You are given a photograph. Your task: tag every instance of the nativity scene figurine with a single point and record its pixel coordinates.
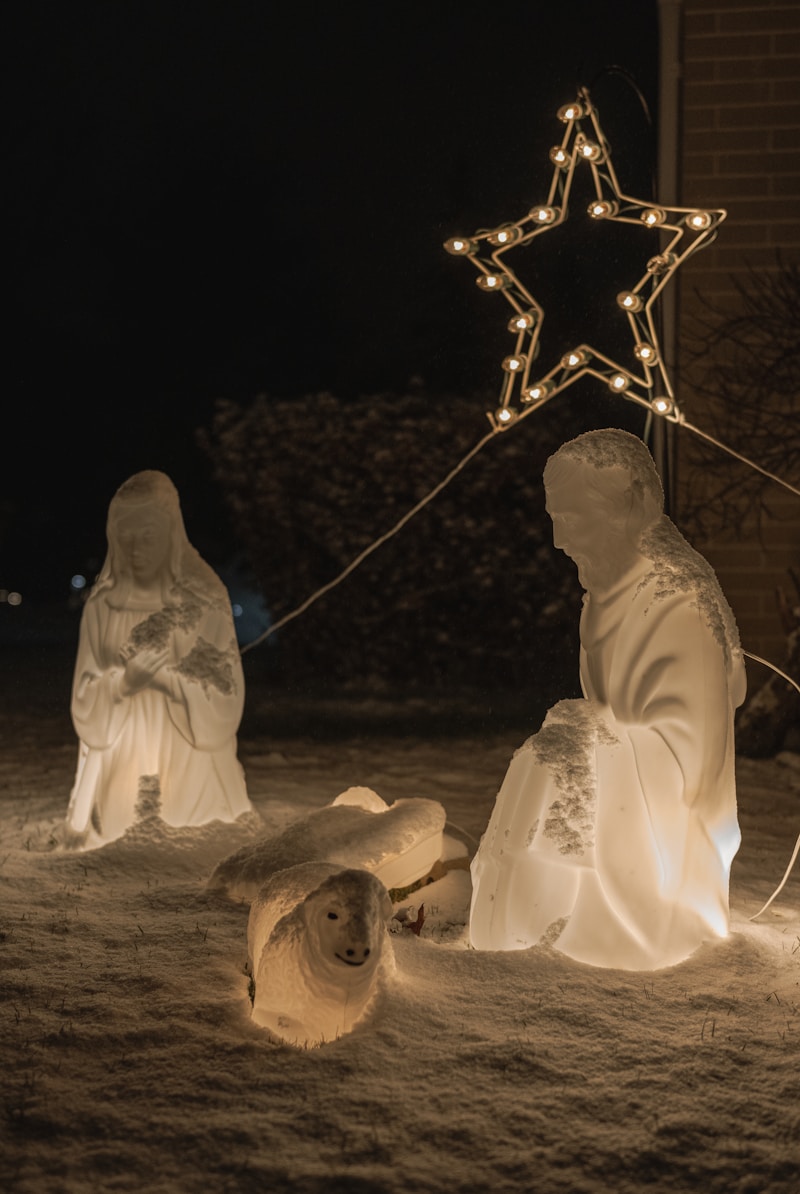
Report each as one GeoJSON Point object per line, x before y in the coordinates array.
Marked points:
{"type": "Point", "coordinates": [614, 830]}
{"type": "Point", "coordinates": [158, 689]}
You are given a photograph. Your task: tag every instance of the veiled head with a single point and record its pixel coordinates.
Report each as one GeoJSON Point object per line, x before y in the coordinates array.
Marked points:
{"type": "Point", "coordinates": [148, 546]}
{"type": "Point", "coordinates": [145, 531]}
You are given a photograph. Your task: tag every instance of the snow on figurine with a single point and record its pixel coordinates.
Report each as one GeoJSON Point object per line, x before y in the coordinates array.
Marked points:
{"type": "Point", "coordinates": [615, 827]}
{"type": "Point", "coordinates": [158, 689]}
{"type": "Point", "coordinates": [399, 843]}
{"type": "Point", "coordinates": [319, 951]}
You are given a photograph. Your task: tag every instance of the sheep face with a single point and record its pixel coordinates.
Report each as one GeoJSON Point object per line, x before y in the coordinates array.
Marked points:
{"type": "Point", "coordinates": [346, 925]}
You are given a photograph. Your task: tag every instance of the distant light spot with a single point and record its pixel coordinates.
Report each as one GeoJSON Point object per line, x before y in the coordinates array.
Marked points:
{"type": "Point", "coordinates": [78, 582]}
{"type": "Point", "coordinates": [14, 599]}
{"type": "Point", "coordinates": [237, 609]}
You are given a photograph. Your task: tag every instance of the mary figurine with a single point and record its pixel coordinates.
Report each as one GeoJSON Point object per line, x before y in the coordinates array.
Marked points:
{"type": "Point", "coordinates": [158, 689]}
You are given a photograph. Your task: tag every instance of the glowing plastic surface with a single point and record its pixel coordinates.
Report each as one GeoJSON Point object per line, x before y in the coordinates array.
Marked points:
{"type": "Point", "coordinates": [615, 827]}
{"type": "Point", "coordinates": [398, 843]}
{"type": "Point", "coordinates": [319, 951]}
{"type": "Point", "coordinates": [158, 689]}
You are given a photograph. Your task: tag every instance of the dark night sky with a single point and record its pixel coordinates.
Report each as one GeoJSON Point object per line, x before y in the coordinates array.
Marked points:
{"type": "Point", "coordinates": [220, 199]}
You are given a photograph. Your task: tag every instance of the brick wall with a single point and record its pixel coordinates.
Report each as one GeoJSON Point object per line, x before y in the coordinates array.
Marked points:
{"type": "Point", "coordinates": [740, 150]}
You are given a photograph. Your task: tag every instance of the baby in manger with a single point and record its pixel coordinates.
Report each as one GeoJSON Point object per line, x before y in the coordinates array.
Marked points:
{"type": "Point", "coordinates": [615, 827]}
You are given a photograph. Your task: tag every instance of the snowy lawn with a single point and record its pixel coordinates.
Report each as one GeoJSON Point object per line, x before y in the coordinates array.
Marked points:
{"type": "Point", "coordinates": [129, 1060]}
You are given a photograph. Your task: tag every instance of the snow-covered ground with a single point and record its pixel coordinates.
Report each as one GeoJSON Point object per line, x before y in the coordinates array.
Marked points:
{"type": "Point", "coordinates": [129, 1060]}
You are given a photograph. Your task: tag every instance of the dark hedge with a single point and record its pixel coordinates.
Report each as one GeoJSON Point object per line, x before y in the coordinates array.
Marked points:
{"type": "Point", "coordinates": [469, 592]}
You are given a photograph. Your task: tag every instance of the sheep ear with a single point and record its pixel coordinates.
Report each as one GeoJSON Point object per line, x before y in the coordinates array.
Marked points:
{"type": "Point", "coordinates": [387, 907]}
{"type": "Point", "coordinates": [305, 909]}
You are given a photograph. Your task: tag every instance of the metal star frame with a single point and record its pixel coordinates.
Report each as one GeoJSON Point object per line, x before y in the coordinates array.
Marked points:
{"type": "Point", "coordinates": [645, 382]}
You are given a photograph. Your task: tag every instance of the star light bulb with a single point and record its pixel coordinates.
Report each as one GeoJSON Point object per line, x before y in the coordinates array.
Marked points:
{"type": "Point", "coordinates": [602, 208]}
{"type": "Point", "coordinates": [589, 150]}
{"type": "Point", "coordinates": [660, 263]}
{"type": "Point", "coordinates": [492, 282]}
{"type": "Point", "coordinates": [699, 220]}
{"type": "Point", "coordinates": [629, 301]}
{"type": "Point", "coordinates": [544, 215]}
{"type": "Point", "coordinates": [522, 322]}
{"type": "Point", "coordinates": [460, 246]}
{"type": "Point", "coordinates": [536, 393]}
{"type": "Point", "coordinates": [571, 360]}
{"type": "Point", "coordinates": [506, 235]}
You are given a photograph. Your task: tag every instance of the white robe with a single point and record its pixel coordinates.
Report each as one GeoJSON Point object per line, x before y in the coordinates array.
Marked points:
{"type": "Point", "coordinates": [614, 830]}
{"type": "Point", "coordinates": [186, 741]}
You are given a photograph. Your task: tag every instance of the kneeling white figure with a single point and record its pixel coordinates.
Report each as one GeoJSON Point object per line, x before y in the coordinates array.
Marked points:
{"type": "Point", "coordinates": [158, 689]}
{"type": "Point", "coordinates": [614, 830]}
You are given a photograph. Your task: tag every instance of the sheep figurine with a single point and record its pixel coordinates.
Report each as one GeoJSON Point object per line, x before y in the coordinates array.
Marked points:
{"type": "Point", "coordinates": [319, 950]}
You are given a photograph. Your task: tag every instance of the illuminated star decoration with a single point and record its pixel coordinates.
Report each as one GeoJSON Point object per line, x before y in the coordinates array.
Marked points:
{"type": "Point", "coordinates": [644, 379]}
